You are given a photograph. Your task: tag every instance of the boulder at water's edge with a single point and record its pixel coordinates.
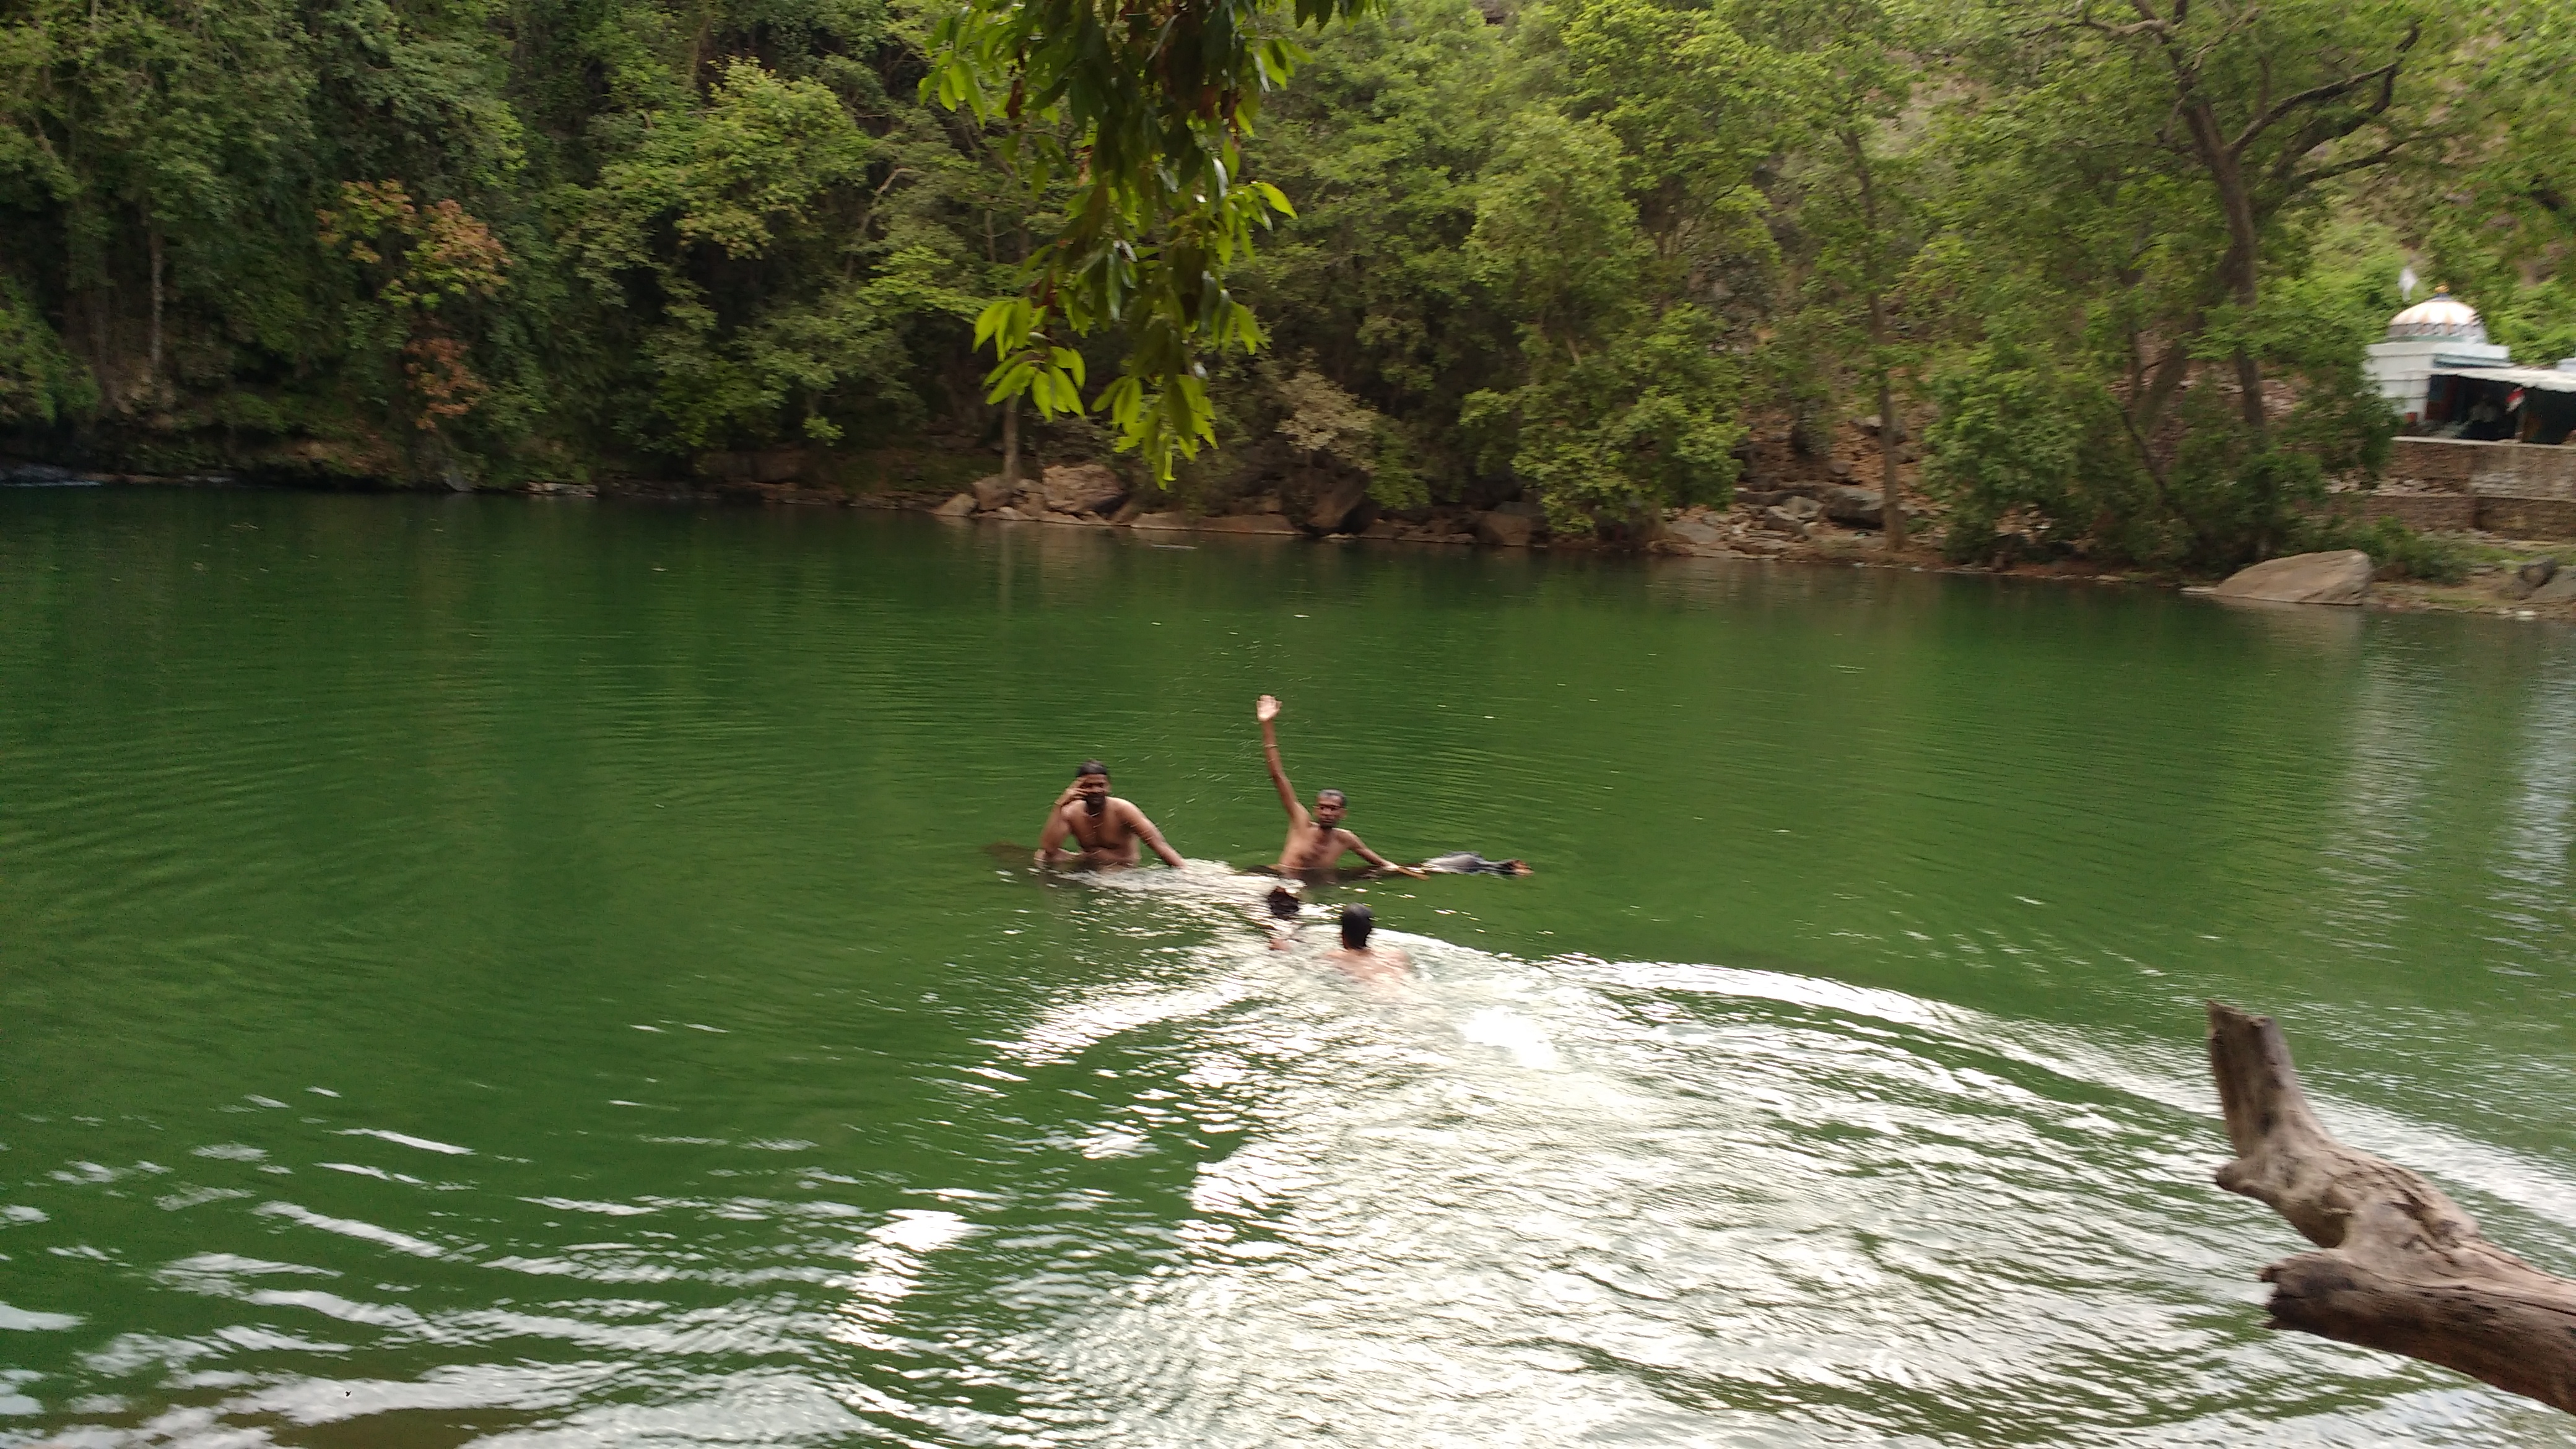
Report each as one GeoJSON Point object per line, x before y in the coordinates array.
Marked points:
{"type": "Point", "coordinates": [1082, 488]}
{"type": "Point", "coordinates": [2338, 577]}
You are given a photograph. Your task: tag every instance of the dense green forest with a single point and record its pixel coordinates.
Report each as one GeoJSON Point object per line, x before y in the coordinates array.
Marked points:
{"type": "Point", "coordinates": [2119, 259]}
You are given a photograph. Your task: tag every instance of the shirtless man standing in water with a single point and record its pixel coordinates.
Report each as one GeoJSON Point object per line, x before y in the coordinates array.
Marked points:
{"type": "Point", "coordinates": [1316, 842]}
{"type": "Point", "coordinates": [1107, 828]}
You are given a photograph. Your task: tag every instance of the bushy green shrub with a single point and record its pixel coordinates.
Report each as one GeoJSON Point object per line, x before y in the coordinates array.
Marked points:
{"type": "Point", "coordinates": [2397, 550]}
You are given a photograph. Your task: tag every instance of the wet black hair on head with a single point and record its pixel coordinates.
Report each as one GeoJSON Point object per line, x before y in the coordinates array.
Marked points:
{"type": "Point", "coordinates": [1357, 922]}
{"type": "Point", "coordinates": [1334, 795]}
{"type": "Point", "coordinates": [1091, 767]}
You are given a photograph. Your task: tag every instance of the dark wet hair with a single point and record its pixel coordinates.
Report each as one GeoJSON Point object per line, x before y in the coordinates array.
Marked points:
{"type": "Point", "coordinates": [1335, 796]}
{"type": "Point", "coordinates": [1091, 767]}
{"type": "Point", "coordinates": [1283, 903]}
{"type": "Point", "coordinates": [1357, 922]}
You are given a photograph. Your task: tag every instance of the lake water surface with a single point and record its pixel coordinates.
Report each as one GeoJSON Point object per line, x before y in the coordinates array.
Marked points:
{"type": "Point", "coordinates": [483, 971]}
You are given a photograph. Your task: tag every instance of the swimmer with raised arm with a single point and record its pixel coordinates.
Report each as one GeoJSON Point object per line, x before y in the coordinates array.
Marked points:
{"type": "Point", "coordinates": [1316, 841]}
{"type": "Point", "coordinates": [1108, 830]}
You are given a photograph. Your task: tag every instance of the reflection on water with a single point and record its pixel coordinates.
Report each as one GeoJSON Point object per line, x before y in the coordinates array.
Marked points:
{"type": "Point", "coordinates": [529, 977]}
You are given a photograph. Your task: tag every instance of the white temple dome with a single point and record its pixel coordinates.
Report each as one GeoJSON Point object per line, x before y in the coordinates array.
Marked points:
{"type": "Point", "coordinates": [2441, 317]}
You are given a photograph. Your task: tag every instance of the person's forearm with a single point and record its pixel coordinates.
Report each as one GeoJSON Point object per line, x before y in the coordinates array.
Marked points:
{"type": "Point", "coordinates": [1278, 769]}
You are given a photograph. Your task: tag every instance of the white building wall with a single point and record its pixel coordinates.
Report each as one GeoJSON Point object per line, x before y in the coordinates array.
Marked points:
{"type": "Point", "coordinates": [2399, 369]}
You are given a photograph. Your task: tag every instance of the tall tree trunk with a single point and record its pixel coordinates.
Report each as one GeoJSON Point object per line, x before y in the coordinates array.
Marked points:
{"type": "Point", "coordinates": [1011, 443]}
{"type": "Point", "coordinates": [1891, 516]}
{"type": "Point", "coordinates": [2244, 249]}
{"type": "Point", "coordinates": [100, 364]}
{"type": "Point", "coordinates": [152, 371]}
{"type": "Point", "coordinates": [2401, 1268]}
{"type": "Point", "coordinates": [1891, 504]}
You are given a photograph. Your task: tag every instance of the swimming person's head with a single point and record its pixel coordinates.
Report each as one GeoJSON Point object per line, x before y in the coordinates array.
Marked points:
{"type": "Point", "coordinates": [1283, 903]}
{"type": "Point", "coordinates": [1357, 922]}
{"type": "Point", "coordinates": [1329, 805]}
{"type": "Point", "coordinates": [1091, 782]}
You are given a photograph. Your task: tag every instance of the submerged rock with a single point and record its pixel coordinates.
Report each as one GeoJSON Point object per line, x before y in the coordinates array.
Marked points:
{"type": "Point", "coordinates": [2341, 576]}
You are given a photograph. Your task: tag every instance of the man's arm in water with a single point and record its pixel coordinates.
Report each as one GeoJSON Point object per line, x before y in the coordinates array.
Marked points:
{"type": "Point", "coordinates": [1376, 861]}
{"type": "Point", "coordinates": [1137, 822]}
{"type": "Point", "coordinates": [1266, 709]}
{"type": "Point", "coordinates": [1052, 836]}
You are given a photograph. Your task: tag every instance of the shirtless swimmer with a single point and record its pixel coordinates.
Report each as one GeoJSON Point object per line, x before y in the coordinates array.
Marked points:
{"type": "Point", "coordinates": [1107, 829]}
{"type": "Point", "coordinates": [1358, 957]}
{"type": "Point", "coordinates": [1317, 841]}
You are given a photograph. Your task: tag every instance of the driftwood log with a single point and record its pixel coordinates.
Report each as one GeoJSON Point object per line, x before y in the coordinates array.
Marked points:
{"type": "Point", "coordinates": [2402, 1267]}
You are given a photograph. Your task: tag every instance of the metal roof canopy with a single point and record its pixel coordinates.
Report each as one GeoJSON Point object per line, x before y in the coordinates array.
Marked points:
{"type": "Point", "coordinates": [2544, 378]}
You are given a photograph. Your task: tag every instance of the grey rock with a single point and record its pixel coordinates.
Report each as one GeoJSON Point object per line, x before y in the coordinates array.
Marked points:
{"type": "Point", "coordinates": [1504, 530]}
{"type": "Point", "coordinates": [1839, 467]}
{"type": "Point", "coordinates": [1696, 529]}
{"type": "Point", "coordinates": [2341, 576]}
{"type": "Point", "coordinates": [1082, 488]}
{"type": "Point", "coordinates": [1781, 520]}
{"type": "Point", "coordinates": [2559, 590]}
{"type": "Point", "coordinates": [1869, 425]}
{"type": "Point", "coordinates": [990, 492]}
{"type": "Point", "coordinates": [2537, 572]}
{"type": "Point", "coordinates": [1801, 509]}
{"type": "Point", "coordinates": [1335, 505]}
{"type": "Point", "coordinates": [1167, 522]}
{"type": "Point", "coordinates": [956, 507]}
{"type": "Point", "coordinates": [1856, 507]}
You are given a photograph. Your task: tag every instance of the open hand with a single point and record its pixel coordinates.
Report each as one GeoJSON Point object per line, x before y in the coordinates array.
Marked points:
{"type": "Point", "coordinates": [1265, 709]}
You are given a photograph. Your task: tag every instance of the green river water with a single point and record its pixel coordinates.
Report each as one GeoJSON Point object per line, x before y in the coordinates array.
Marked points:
{"type": "Point", "coordinates": [521, 973]}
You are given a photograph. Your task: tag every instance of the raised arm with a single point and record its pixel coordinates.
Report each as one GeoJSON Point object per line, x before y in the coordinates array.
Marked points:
{"type": "Point", "coordinates": [1266, 710]}
{"type": "Point", "coordinates": [1051, 836]}
{"type": "Point", "coordinates": [1137, 822]}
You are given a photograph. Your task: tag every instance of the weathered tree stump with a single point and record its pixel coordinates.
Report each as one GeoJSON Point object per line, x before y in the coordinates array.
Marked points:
{"type": "Point", "coordinates": [2402, 1268]}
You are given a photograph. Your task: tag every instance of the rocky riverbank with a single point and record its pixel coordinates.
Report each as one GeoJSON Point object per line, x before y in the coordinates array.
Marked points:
{"type": "Point", "coordinates": [1779, 521]}
{"type": "Point", "coordinates": [1823, 521]}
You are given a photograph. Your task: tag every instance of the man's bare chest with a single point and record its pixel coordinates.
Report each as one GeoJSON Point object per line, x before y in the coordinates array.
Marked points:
{"type": "Point", "coordinates": [1309, 846]}
{"type": "Point", "coordinates": [1096, 831]}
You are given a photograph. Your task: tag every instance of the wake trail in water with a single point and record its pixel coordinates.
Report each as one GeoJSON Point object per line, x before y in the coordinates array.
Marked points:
{"type": "Point", "coordinates": [1579, 1200]}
